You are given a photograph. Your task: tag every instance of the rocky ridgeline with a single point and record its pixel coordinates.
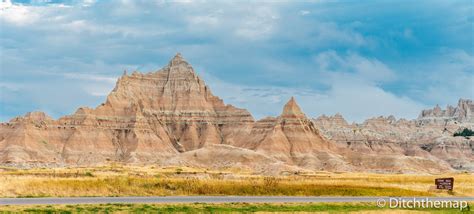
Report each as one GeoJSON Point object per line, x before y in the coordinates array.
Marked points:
{"type": "Point", "coordinates": [171, 117]}
{"type": "Point", "coordinates": [462, 113]}
{"type": "Point", "coordinates": [429, 136]}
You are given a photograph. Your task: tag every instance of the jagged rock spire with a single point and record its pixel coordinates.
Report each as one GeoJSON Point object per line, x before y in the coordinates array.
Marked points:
{"type": "Point", "coordinates": [179, 65]}
{"type": "Point", "coordinates": [177, 60]}
{"type": "Point", "coordinates": [292, 109]}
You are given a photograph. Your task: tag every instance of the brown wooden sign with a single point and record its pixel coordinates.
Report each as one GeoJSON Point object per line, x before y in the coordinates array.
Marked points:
{"type": "Point", "coordinates": [444, 183]}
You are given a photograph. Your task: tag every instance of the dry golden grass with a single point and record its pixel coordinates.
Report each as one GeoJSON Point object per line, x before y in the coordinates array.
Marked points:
{"type": "Point", "coordinates": [120, 180]}
{"type": "Point", "coordinates": [219, 208]}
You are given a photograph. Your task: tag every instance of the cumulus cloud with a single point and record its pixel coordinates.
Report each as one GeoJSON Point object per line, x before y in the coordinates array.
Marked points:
{"type": "Point", "coordinates": [253, 54]}
{"type": "Point", "coordinates": [353, 67]}
{"type": "Point", "coordinates": [353, 91]}
{"type": "Point", "coordinates": [448, 80]}
{"type": "Point", "coordinates": [356, 102]}
{"type": "Point", "coordinates": [18, 14]}
{"type": "Point", "coordinates": [259, 24]}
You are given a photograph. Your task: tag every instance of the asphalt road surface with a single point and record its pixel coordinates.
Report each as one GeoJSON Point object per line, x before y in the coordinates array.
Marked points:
{"type": "Point", "coordinates": [209, 199]}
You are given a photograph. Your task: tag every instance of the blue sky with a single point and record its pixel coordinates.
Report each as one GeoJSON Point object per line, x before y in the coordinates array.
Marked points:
{"type": "Point", "coordinates": [358, 58]}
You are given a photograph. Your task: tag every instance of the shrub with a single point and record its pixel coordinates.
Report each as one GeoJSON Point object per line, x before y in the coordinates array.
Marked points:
{"type": "Point", "coordinates": [464, 133]}
{"type": "Point", "coordinates": [270, 182]}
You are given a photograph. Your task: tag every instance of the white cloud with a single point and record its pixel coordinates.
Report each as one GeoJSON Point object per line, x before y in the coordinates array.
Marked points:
{"type": "Point", "coordinates": [204, 20]}
{"type": "Point", "coordinates": [353, 67]}
{"type": "Point", "coordinates": [304, 12]}
{"type": "Point", "coordinates": [448, 80]}
{"type": "Point", "coordinates": [22, 15]}
{"type": "Point", "coordinates": [267, 46]}
{"type": "Point", "coordinates": [259, 24]}
{"type": "Point", "coordinates": [18, 14]}
{"type": "Point", "coordinates": [5, 4]}
{"type": "Point", "coordinates": [330, 32]}
{"type": "Point", "coordinates": [88, 3]}
{"type": "Point", "coordinates": [93, 84]}
{"type": "Point", "coordinates": [358, 102]}
{"type": "Point", "coordinates": [355, 102]}
{"type": "Point", "coordinates": [91, 77]}
{"type": "Point", "coordinates": [349, 95]}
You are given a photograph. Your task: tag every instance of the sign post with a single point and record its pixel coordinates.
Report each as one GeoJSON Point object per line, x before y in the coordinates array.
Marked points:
{"type": "Point", "coordinates": [444, 183]}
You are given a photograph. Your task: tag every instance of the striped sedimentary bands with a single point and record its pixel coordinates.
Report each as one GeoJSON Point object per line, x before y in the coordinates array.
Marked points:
{"type": "Point", "coordinates": [146, 117]}
{"type": "Point", "coordinates": [170, 117]}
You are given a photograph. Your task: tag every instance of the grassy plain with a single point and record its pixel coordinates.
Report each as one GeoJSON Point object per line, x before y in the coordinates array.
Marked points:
{"type": "Point", "coordinates": [117, 180]}
{"type": "Point", "coordinates": [219, 208]}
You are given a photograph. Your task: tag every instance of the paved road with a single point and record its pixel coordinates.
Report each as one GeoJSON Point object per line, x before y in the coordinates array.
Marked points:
{"type": "Point", "coordinates": [207, 199]}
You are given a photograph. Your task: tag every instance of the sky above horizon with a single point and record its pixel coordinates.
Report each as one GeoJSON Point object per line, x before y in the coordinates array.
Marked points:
{"type": "Point", "coordinates": [358, 58]}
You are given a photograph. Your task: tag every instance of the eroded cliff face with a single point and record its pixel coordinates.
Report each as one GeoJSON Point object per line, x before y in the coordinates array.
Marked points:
{"type": "Point", "coordinates": [176, 98]}
{"type": "Point", "coordinates": [419, 142]}
{"type": "Point", "coordinates": [462, 113]}
{"type": "Point", "coordinates": [170, 117]}
{"type": "Point", "coordinates": [146, 118]}
{"type": "Point", "coordinates": [293, 139]}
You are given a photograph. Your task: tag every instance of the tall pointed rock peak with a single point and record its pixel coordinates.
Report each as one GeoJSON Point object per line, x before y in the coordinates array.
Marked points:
{"type": "Point", "coordinates": [292, 109]}
{"type": "Point", "coordinates": [179, 66]}
{"type": "Point", "coordinates": [178, 60]}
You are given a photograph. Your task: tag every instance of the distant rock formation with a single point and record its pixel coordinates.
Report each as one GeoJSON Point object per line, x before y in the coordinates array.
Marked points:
{"type": "Point", "coordinates": [171, 117]}
{"type": "Point", "coordinates": [428, 138]}
{"type": "Point", "coordinates": [462, 113]}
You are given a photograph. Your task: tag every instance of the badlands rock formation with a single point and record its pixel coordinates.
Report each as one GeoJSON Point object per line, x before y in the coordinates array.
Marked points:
{"type": "Point", "coordinates": [146, 118]}
{"type": "Point", "coordinates": [293, 139]}
{"type": "Point", "coordinates": [170, 117]}
{"type": "Point", "coordinates": [462, 113]}
{"type": "Point", "coordinates": [425, 137]}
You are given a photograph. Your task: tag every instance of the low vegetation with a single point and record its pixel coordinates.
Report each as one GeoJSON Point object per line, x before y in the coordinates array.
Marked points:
{"type": "Point", "coordinates": [215, 208]}
{"type": "Point", "coordinates": [464, 133]}
{"type": "Point", "coordinates": [148, 186]}
{"type": "Point", "coordinates": [150, 181]}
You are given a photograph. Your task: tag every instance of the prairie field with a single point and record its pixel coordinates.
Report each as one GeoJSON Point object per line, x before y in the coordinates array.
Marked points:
{"type": "Point", "coordinates": [221, 208]}
{"type": "Point", "coordinates": [119, 180]}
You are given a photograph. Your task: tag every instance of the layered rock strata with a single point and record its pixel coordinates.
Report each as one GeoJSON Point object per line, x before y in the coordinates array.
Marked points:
{"type": "Point", "coordinates": [386, 136]}
{"type": "Point", "coordinates": [147, 117]}
{"type": "Point", "coordinates": [462, 113]}
{"type": "Point", "coordinates": [171, 117]}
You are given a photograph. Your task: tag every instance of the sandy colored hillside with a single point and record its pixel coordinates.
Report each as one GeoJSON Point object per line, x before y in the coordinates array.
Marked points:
{"type": "Point", "coordinates": [171, 117]}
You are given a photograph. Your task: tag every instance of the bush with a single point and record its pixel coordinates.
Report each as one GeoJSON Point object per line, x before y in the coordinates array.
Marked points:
{"type": "Point", "coordinates": [270, 182]}
{"type": "Point", "coordinates": [464, 133]}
